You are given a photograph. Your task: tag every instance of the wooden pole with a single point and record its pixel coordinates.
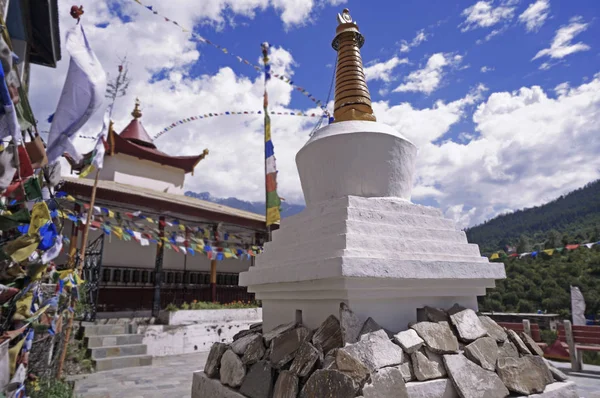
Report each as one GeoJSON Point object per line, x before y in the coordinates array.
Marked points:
{"type": "Point", "coordinates": [213, 280]}
{"type": "Point", "coordinates": [158, 266]}
{"type": "Point", "coordinates": [84, 239]}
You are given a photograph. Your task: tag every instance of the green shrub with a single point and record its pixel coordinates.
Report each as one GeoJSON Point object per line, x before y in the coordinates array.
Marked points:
{"type": "Point", "coordinates": [548, 336]}
{"type": "Point", "coordinates": [50, 388]}
{"type": "Point", "coordinates": [171, 308]}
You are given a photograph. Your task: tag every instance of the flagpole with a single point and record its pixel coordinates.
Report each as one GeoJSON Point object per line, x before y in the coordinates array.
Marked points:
{"type": "Point", "coordinates": [265, 53]}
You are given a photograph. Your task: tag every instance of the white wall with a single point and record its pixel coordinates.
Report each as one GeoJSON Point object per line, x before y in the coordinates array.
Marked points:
{"type": "Point", "coordinates": [211, 326]}
{"type": "Point", "coordinates": [130, 170]}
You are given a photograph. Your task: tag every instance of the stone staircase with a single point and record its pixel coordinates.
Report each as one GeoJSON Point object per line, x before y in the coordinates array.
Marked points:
{"type": "Point", "coordinates": [115, 346]}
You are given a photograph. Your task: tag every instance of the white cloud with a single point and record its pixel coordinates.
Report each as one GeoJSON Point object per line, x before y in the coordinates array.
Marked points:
{"type": "Point", "coordinates": [429, 78]}
{"type": "Point", "coordinates": [535, 15]}
{"type": "Point", "coordinates": [483, 14]}
{"type": "Point", "coordinates": [516, 150]}
{"type": "Point", "coordinates": [562, 45]}
{"type": "Point", "coordinates": [486, 69]}
{"type": "Point", "coordinates": [420, 37]}
{"type": "Point", "coordinates": [382, 70]}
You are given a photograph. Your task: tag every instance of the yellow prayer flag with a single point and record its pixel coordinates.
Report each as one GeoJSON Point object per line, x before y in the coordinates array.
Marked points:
{"type": "Point", "coordinates": [495, 256]}
{"type": "Point", "coordinates": [40, 216]}
{"type": "Point", "coordinates": [150, 220]}
{"type": "Point", "coordinates": [13, 354]}
{"type": "Point", "coordinates": [273, 215]}
{"type": "Point", "coordinates": [549, 252]}
{"type": "Point", "coordinates": [182, 227]}
{"type": "Point", "coordinates": [111, 214]}
{"type": "Point", "coordinates": [70, 198]}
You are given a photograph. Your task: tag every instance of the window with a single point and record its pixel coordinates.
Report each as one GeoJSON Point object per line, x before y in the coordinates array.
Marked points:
{"type": "Point", "coordinates": [106, 275]}
{"type": "Point", "coordinates": [116, 275]}
{"type": "Point", "coordinates": [145, 276]}
{"type": "Point", "coordinates": [127, 276]}
{"type": "Point", "coordinates": [136, 276]}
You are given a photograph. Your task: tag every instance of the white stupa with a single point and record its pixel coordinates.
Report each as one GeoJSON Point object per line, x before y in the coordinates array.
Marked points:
{"type": "Point", "coordinates": [360, 240]}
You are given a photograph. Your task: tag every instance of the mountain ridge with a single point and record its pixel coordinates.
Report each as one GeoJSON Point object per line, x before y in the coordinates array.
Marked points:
{"type": "Point", "coordinates": [287, 209]}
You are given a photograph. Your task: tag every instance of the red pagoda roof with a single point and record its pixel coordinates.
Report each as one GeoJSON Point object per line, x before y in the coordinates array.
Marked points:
{"type": "Point", "coordinates": [134, 140]}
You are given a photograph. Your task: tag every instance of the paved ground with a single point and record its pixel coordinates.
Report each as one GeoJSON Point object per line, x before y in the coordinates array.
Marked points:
{"type": "Point", "coordinates": [167, 377]}
{"type": "Point", "coordinates": [588, 381]}
{"type": "Point", "coordinates": [172, 377]}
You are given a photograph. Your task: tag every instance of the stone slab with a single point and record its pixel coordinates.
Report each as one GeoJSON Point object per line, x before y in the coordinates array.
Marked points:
{"type": "Point", "coordinates": [440, 388]}
{"type": "Point", "coordinates": [203, 387]}
{"type": "Point", "coordinates": [557, 390]}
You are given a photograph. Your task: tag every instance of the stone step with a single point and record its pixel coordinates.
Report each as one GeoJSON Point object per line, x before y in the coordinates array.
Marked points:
{"type": "Point", "coordinates": [122, 362]}
{"type": "Point", "coordinates": [118, 351]}
{"type": "Point", "coordinates": [103, 330]}
{"type": "Point", "coordinates": [113, 340]}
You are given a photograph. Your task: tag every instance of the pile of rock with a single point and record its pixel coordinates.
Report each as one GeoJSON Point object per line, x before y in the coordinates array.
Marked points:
{"type": "Point", "coordinates": [450, 354]}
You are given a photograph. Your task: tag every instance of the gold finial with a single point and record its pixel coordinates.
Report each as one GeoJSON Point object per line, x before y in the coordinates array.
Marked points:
{"type": "Point", "coordinates": [137, 113]}
{"type": "Point", "coordinates": [352, 97]}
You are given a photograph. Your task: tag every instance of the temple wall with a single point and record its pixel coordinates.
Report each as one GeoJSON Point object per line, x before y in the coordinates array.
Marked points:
{"type": "Point", "coordinates": [130, 170]}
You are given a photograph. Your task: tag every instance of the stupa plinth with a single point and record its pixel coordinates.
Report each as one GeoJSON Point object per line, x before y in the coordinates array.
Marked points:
{"type": "Point", "coordinates": [360, 240]}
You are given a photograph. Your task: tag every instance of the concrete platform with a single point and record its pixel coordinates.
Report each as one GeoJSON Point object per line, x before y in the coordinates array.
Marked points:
{"type": "Point", "coordinates": [203, 387]}
{"type": "Point", "coordinates": [118, 351]}
{"type": "Point", "coordinates": [113, 340]}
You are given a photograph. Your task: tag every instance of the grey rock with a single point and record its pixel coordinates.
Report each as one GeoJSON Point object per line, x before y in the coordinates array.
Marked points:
{"type": "Point", "coordinates": [508, 350]}
{"type": "Point", "coordinates": [351, 367]}
{"type": "Point", "coordinates": [437, 336]}
{"type": "Point", "coordinates": [329, 335]}
{"type": "Point", "coordinates": [557, 374]}
{"type": "Point", "coordinates": [432, 314]}
{"type": "Point", "coordinates": [484, 352]}
{"type": "Point", "coordinates": [468, 325]}
{"type": "Point", "coordinates": [438, 388]}
{"type": "Point", "coordinates": [472, 381]}
{"type": "Point", "coordinates": [350, 325]}
{"type": "Point", "coordinates": [531, 344]}
{"type": "Point", "coordinates": [284, 346]}
{"type": "Point", "coordinates": [240, 345]}
{"type": "Point", "coordinates": [305, 360]}
{"type": "Point", "coordinates": [494, 330]}
{"type": "Point", "coordinates": [375, 351]}
{"type": "Point", "coordinates": [526, 375]}
{"type": "Point", "coordinates": [386, 382]}
{"type": "Point", "coordinates": [516, 340]}
{"type": "Point", "coordinates": [255, 351]}
{"type": "Point", "coordinates": [409, 340]}
{"type": "Point", "coordinates": [278, 331]}
{"type": "Point", "coordinates": [427, 365]}
{"type": "Point", "coordinates": [286, 385]}
{"type": "Point", "coordinates": [329, 360]}
{"type": "Point", "coordinates": [328, 383]}
{"type": "Point", "coordinates": [406, 369]}
{"type": "Point", "coordinates": [456, 308]}
{"type": "Point", "coordinates": [258, 383]}
{"type": "Point", "coordinates": [232, 369]}
{"type": "Point", "coordinates": [371, 326]}
{"type": "Point", "coordinates": [243, 333]}
{"type": "Point", "coordinates": [213, 362]}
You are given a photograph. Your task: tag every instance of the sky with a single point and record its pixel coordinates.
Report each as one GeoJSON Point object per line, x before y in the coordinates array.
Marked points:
{"type": "Point", "coordinates": [501, 97]}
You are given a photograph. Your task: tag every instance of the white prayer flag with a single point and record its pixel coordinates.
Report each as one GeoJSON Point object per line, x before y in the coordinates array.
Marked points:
{"type": "Point", "coordinates": [81, 96]}
{"type": "Point", "coordinates": [577, 306]}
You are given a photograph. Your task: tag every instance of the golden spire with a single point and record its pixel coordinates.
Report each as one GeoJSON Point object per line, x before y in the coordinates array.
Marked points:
{"type": "Point", "coordinates": [352, 98]}
{"type": "Point", "coordinates": [137, 113]}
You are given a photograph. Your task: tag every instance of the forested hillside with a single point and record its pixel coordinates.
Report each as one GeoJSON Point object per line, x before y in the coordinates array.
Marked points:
{"type": "Point", "coordinates": [575, 216]}
{"type": "Point", "coordinates": [543, 283]}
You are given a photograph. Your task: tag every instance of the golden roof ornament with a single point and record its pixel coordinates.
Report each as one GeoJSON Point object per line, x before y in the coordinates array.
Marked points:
{"type": "Point", "coordinates": [137, 113]}
{"type": "Point", "coordinates": [352, 97]}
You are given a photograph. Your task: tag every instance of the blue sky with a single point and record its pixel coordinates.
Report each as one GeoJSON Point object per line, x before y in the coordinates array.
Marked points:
{"type": "Point", "coordinates": [497, 129]}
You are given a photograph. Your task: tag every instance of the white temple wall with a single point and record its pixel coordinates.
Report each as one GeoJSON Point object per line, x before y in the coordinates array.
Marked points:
{"type": "Point", "coordinates": [130, 170]}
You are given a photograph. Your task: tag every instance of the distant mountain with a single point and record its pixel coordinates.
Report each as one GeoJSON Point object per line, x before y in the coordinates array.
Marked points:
{"type": "Point", "coordinates": [575, 216]}
{"type": "Point", "coordinates": [287, 209]}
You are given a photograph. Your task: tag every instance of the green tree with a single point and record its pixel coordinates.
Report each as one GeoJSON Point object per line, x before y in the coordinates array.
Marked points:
{"type": "Point", "coordinates": [524, 244]}
{"type": "Point", "coordinates": [553, 239]}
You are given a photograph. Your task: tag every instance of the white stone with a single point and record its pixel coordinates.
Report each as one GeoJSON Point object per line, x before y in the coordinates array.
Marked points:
{"type": "Point", "coordinates": [468, 325]}
{"type": "Point", "coordinates": [558, 390]}
{"type": "Point", "coordinates": [386, 382]}
{"type": "Point", "coordinates": [375, 351]}
{"type": "Point", "coordinates": [409, 340]}
{"type": "Point", "coordinates": [471, 380]}
{"type": "Point", "coordinates": [440, 388]}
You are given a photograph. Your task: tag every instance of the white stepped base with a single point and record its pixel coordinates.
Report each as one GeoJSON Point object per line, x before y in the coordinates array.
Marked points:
{"type": "Point", "coordinates": [384, 257]}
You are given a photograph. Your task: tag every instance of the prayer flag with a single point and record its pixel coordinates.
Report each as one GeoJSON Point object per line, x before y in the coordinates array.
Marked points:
{"type": "Point", "coordinates": [97, 161]}
{"type": "Point", "coordinates": [81, 96]}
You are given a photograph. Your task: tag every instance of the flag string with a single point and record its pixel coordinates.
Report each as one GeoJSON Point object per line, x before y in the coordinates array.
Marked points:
{"type": "Point", "coordinates": [224, 50]}
{"type": "Point", "coordinates": [534, 254]}
{"type": "Point", "coordinates": [210, 115]}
